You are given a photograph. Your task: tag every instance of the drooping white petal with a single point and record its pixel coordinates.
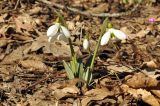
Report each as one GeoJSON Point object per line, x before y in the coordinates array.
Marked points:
{"type": "Point", "coordinates": [53, 38]}
{"type": "Point", "coordinates": [85, 44]}
{"type": "Point", "coordinates": [52, 30]}
{"type": "Point", "coordinates": [65, 31]}
{"type": "Point", "coordinates": [62, 37]}
{"type": "Point", "coordinates": [119, 34]}
{"type": "Point", "coordinates": [105, 38]}
{"type": "Point", "coordinates": [49, 39]}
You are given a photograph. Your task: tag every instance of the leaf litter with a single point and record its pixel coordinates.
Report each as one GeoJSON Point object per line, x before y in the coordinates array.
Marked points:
{"type": "Point", "coordinates": [31, 71]}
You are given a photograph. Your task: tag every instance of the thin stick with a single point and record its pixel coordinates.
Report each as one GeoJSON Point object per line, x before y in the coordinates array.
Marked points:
{"type": "Point", "coordinates": [18, 1]}
{"type": "Point", "coordinates": [88, 13]}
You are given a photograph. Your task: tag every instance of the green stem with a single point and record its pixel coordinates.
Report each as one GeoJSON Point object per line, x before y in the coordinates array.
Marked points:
{"type": "Point", "coordinates": [103, 29]}
{"type": "Point", "coordinates": [95, 52]}
{"type": "Point", "coordinates": [71, 47]}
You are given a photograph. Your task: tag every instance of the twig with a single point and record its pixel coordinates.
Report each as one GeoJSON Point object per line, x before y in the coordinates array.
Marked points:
{"type": "Point", "coordinates": [88, 13]}
{"type": "Point", "coordinates": [53, 75]}
{"type": "Point", "coordinates": [18, 1]}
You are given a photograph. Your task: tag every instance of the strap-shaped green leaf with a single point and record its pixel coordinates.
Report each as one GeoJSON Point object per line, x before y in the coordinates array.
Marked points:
{"type": "Point", "coordinates": [80, 70]}
{"type": "Point", "coordinates": [68, 70]}
{"type": "Point", "coordinates": [87, 76]}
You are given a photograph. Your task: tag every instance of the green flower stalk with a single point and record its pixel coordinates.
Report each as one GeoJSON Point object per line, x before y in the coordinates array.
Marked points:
{"type": "Point", "coordinates": [103, 29]}
{"type": "Point", "coordinates": [107, 32]}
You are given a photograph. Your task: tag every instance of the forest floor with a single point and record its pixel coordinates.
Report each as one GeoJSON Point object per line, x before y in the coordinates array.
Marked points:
{"type": "Point", "coordinates": [31, 70]}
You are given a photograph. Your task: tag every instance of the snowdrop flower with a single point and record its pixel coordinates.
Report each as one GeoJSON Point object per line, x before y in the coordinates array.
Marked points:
{"type": "Point", "coordinates": [112, 33]}
{"type": "Point", "coordinates": [85, 44]}
{"type": "Point", "coordinates": [58, 32]}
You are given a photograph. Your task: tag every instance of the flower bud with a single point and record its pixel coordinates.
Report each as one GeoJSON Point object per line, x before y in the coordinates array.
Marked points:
{"type": "Point", "coordinates": [85, 44]}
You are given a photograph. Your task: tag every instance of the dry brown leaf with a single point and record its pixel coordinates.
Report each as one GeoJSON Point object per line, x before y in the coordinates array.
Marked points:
{"type": "Point", "coordinates": [151, 64]}
{"type": "Point", "coordinates": [147, 97]}
{"type": "Point", "coordinates": [71, 25]}
{"type": "Point", "coordinates": [151, 73]}
{"type": "Point", "coordinates": [139, 80]}
{"type": "Point", "coordinates": [55, 86]}
{"type": "Point", "coordinates": [150, 28]}
{"type": "Point", "coordinates": [4, 29]}
{"type": "Point", "coordinates": [140, 20]}
{"type": "Point", "coordinates": [2, 17]}
{"type": "Point", "coordinates": [158, 19]}
{"type": "Point", "coordinates": [99, 9]}
{"type": "Point", "coordinates": [6, 73]}
{"type": "Point", "coordinates": [95, 95]}
{"type": "Point", "coordinates": [23, 37]}
{"type": "Point", "coordinates": [57, 48]}
{"type": "Point", "coordinates": [156, 92]}
{"type": "Point", "coordinates": [65, 92]}
{"type": "Point", "coordinates": [116, 68]}
{"type": "Point", "coordinates": [125, 30]}
{"type": "Point", "coordinates": [15, 55]}
{"type": "Point", "coordinates": [158, 27]}
{"type": "Point", "coordinates": [37, 101]}
{"type": "Point", "coordinates": [142, 33]}
{"type": "Point", "coordinates": [40, 42]}
{"type": "Point", "coordinates": [33, 64]}
{"type": "Point", "coordinates": [35, 10]}
{"type": "Point", "coordinates": [4, 42]}
{"type": "Point", "coordinates": [24, 22]}
{"type": "Point", "coordinates": [131, 36]}
{"type": "Point", "coordinates": [77, 102]}
{"type": "Point", "coordinates": [60, 49]}
{"type": "Point", "coordinates": [2, 55]}
{"type": "Point", "coordinates": [65, 84]}
{"type": "Point", "coordinates": [71, 89]}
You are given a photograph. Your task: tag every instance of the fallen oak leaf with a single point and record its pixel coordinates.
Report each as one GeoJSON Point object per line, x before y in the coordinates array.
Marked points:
{"type": "Point", "coordinates": [146, 96]}
{"type": "Point", "coordinates": [57, 48]}
{"type": "Point", "coordinates": [35, 10]}
{"type": "Point", "coordinates": [33, 64]}
{"type": "Point", "coordinates": [5, 28]}
{"type": "Point", "coordinates": [22, 37]}
{"type": "Point", "coordinates": [15, 55]}
{"type": "Point", "coordinates": [24, 22]}
{"type": "Point", "coordinates": [99, 9]}
{"type": "Point", "coordinates": [69, 91]}
{"type": "Point", "coordinates": [2, 17]}
{"type": "Point", "coordinates": [142, 33]}
{"type": "Point", "coordinates": [150, 64]}
{"type": "Point", "coordinates": [4, 42]}
{"type": "Point", "coordinates": [156, 92]}
{"type": "Point", "coordinates": [95, 95]}
{"type": "Point", "coordinates": [140, 80]}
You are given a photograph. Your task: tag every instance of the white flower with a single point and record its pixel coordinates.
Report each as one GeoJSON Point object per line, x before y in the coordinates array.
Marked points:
{"type": "Point", "coordinates": [85, 44]}
{"type": "Point", "coordinates": [117, 33]}
{"type": "Point", "coordinates": [58, 32]}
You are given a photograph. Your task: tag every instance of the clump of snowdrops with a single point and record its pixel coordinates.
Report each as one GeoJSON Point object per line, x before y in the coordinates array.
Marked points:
{"type": "Point", "coordinates": [76, 68]}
